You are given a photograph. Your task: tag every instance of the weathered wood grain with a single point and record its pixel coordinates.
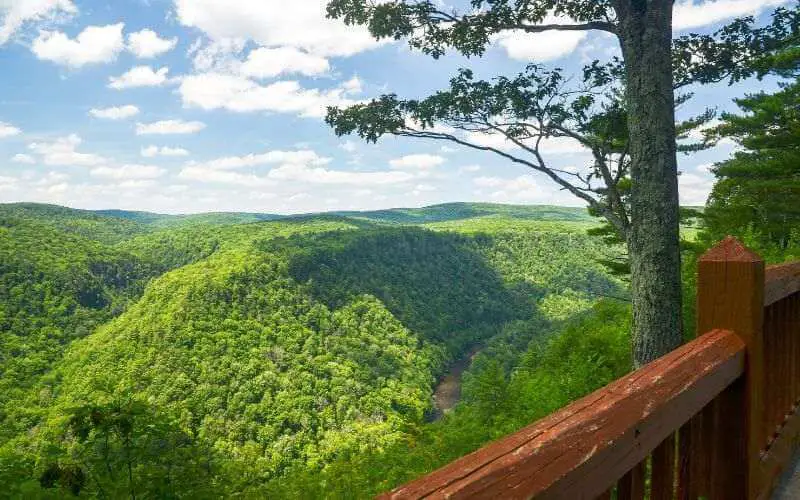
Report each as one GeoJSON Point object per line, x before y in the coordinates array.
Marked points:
{"type": "Point", "coordinates": [781, 281]}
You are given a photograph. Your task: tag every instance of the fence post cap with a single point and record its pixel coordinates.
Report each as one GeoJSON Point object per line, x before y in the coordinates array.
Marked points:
{"type": "Point", "coordinates": [730, 250]}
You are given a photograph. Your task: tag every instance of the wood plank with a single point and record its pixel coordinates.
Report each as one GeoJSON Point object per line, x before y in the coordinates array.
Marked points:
{"type": "Point", "coordinates": [684, 461]}
{"type": "Point", "coordinates": [781, 281]}
{"type": "Point", "coordinates": [779, 454]}
{"type": "Point", "coordinates": [606, 495]}
{"type": "Point", "coordinates": [728, 477]}
{"type": "Point", "coordinates": [663, 464]}
{"type": "Point", "coordinates": [730, 294]}
{"type": "Point", "coordinates": [581, 451]}
{"type": "Point", "coordinates": [631, 486]}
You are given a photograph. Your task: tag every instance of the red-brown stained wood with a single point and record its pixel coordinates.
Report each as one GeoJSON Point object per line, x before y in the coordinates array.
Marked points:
{"type": "Point", "coordinates": [581, 451]}
{"type": "Point", "coordinates": [663, 464]}
{"type": "Point", "coordinates": [730, 294]}
{"type": "Point", "coordinates": [631, 486]}
{"type": "Point", "coordinates": [779, 454]}
{"type": "Point", "coordinates": [727, 475]}
{"type": "Point", "coordinates": [684, 461]}
{"type": "Point", "coordinates": [606, 495]}
{"type": "Point", "coordinates": [781, 281]}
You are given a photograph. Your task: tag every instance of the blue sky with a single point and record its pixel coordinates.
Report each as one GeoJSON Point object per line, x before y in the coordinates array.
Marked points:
{"type": "Point", "coordinates": [182, 106]}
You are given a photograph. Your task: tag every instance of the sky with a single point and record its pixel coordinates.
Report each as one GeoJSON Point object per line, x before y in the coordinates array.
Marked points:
{"type": "Point", "coordinates": [186, 106]}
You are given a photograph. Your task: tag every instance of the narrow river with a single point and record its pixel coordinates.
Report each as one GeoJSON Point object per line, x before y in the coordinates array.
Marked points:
{"type": "Point", "coordinates": [448, 390]}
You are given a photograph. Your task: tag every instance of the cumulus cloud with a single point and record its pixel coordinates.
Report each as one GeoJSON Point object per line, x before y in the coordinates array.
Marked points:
{"type": "Point", "coordinates": [522, 189]}
{"type": "Point", "coordinates": [201, 173]}
{"type": "Point", "coordinates": [236, 93]}
{"type": "Point", "coordinates": [166, 127]}
{"type": "Point", "coordinates": [15, 14]}
{"type": "Point", "coordinates": [146, 44]}
{"type": "Point", "coordinates": [320, 175]}
{"type": "Point", "coordinates": [115, 113]}
{"type": "Point", "coordinates": [266, 62]}
{"type": "Point", "coordinates": [548, 146]}
{"type": "Point", "coordinates": [8, 130]}
{"type": "Point", "coordinates": [275, 23]}
{"type": "Point", "coordinates": [539, 47]}
{"type": "Point", "coordinates": [63, 152]}
{"type": "Point", "coordinates": [695, 13]}
{"type": "Point", "coordinates": [23, 158]}
{"type": "Point", "coordinates": [128, 172]}
{"type": "Point", "coordinates": [152, 151]}
{"type": "Point", "coordinates": [139, 76]}
{"type": "Point", "coordinates": [303, 156]}
{"type": "Point", "coordinates": [93, 45]}
{"type": "Point", "coordinates": [694, 189]}
{"type": "Point", "coordinates": [417, 161]}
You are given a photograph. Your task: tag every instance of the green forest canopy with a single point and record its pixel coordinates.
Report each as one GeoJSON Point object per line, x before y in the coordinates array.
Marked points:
{"type": "Point", "coordinates": [206, 355]}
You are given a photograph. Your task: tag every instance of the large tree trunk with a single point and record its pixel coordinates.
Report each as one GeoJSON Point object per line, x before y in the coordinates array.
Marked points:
{"type": "Point", "coordinates": [653, 241]}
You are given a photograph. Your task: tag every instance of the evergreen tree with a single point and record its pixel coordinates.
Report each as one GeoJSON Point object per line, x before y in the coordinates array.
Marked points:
{"type": "Point", "coordinates": [632, 182]}
{"type": "Point", "coordinates": [757, 193]}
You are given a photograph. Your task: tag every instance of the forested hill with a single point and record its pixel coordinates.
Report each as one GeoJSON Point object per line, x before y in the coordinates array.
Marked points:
{"type": "Point", "coordinates": [434, 213]}
{"type": "Point", "coordinates": [202, 356]}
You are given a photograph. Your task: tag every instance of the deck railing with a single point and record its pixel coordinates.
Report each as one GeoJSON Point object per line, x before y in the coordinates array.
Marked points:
{"type": "Point", "coordinates": [717, 418]}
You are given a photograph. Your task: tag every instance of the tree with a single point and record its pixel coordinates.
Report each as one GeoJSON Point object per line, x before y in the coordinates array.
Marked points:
{"type": "Point", "coordinates": [757, 193]}
{"type": "Point", "coordinates": [622, 111]}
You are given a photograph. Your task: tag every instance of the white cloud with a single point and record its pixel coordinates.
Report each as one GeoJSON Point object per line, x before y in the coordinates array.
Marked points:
{"type": "Point", "coordinates": [303, 156]}
{"type": "Point", "coordinates": [151, 151]}
{"type": "Point", "coordinates": [705, 168]}
{"type": "Point", "coordinates": [8, 130]}
{"type": "Point", "coordinates": [548, 146]}
{"type": "Point", "coordinates": [115, 113]}
{"type": "Point", "coordinates": [95, 44]}
{"type": "Point", "coordinates": [128, 172]}
{"type": "Point", "coordinates": [320, 175]}
{"type": "Point", "coordinates": [235, 93]}
{"type": "Point", "coordinates": [17, 13]}
{"type": "Point", "coordinates": [523, 189]}
{"type": "Point", "coordinates": [276, 23]}
{"type": "Point", "coordinates": [146, 44]}
{"type": "Point", "coordinates": [348, 146]}
{"type": "Point", "coordinates": [695, 13]}
{"type": "Point", "coordinates": [271, 62]}
{"type": "Point", "coordinates": [211, 175]}
{"type": "Point", "coordinates": [539, 47]}
{"type": "Point", "coordinates": [694, 189]}
{"type": "Point", "coordinates": [220, 55]}
{"type": "Point", "coordinates": [51, 178]}
{"type": "Point", "coordinates": [417, 161]}
{"type": "Point", "coordinates": [164, 127]}
{"type": "Point", "coordinates": [63, 152]}
{"type": "Point", "coordinates": [23, 158]}
{"type": "Point", "coordinates": [139, 76]}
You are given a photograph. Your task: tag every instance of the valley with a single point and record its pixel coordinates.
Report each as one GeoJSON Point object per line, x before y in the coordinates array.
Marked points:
{"type": "Point", "coordinates": [308, 356]}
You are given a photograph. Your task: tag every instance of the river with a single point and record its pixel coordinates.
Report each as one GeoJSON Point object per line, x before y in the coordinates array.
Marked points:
{"type": "Point", "coordinates": [448, 390]}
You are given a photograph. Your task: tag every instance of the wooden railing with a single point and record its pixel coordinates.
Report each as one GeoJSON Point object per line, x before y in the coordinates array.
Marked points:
{"type": "Point", "coordinates": [717, 418]}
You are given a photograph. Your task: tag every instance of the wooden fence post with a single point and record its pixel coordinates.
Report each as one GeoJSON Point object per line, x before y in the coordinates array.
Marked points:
{"type": "Point", "coordinates": [730, 295]}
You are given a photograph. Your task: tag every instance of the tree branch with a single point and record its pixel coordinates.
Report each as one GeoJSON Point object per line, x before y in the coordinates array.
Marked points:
{"type": "Point", "coordinates": [539, 28]}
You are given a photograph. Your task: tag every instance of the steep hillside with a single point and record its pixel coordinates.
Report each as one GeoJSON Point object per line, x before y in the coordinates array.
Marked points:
{"type": "Point", "coordinates": [211, 359]}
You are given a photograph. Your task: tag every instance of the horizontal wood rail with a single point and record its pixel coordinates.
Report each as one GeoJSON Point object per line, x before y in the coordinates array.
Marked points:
{"type": "Point", "coordinates": [781, 282]}
{"type": "Point", "coordinates": [718, 418]}
{"type": "Point", "coordinates": [581, 450]}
